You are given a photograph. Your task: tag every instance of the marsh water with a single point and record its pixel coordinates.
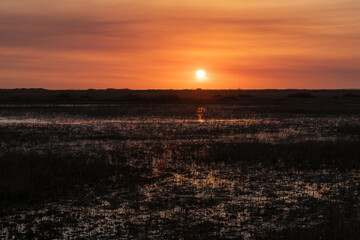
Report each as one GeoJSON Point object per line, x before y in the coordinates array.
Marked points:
{"type": "Point", "coordinates": [187, 171]}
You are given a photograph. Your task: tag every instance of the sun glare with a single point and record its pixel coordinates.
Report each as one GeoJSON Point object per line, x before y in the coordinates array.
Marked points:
{"type": "Point", "coordinates": [200, 74]}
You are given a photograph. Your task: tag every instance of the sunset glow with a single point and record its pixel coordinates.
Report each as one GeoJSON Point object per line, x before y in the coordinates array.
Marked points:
{"type": "Point", "coordinates": [201, 74]}
{"type": "Point", "coordinates": [141, 44]}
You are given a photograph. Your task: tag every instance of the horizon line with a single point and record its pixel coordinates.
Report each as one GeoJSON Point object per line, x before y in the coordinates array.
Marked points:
{"type": "Point", "coordinates": [184, 89]}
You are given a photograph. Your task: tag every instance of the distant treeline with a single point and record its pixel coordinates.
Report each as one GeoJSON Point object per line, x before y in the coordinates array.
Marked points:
{"type": "Point", "coordinates": [43, 96]}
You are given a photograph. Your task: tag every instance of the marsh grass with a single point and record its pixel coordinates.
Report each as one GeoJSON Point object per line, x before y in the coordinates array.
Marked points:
{"type": "Point", "coordinates": [341, 223]}
{"type": "Point", "coordinates": [32, 177]}
{"type": "Point", "coordinates": [341, 154]}
{"type": "Point", "coordinates": [155, 170]}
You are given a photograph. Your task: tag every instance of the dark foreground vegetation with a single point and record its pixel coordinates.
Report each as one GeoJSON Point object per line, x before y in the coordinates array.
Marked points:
{"type": "Point", "coordinates": [214, 169]}
{"type": "Point", "coordinates": [28, 177]}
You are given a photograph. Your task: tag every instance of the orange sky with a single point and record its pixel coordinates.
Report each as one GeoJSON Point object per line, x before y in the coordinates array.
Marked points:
{"type": "Point", "coordinates": [158, 44]}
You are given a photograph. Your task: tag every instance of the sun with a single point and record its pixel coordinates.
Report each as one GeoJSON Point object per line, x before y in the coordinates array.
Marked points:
{"type": "Point", "coordinates": [200, 74]}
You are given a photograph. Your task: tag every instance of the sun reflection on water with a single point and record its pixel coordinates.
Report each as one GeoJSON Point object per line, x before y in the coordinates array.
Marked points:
{"type": "Point", "coordinates": [200, 112]}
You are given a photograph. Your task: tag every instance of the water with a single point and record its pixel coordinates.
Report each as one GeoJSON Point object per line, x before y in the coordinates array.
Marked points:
{"type": "Point", "coordinates": [168, 191]}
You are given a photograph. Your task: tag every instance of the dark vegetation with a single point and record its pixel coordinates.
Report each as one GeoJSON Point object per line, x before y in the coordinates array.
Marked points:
{"type": "Point", "coordinates": [27, 177]}
{"type": "Point", "coordinates": [304, 155]}
{"type": "Point", "coordinates": [301, 95]}
{"type": "Point", "coordinates": [32, 177]}
{"type": "Point", "coordinates": [275, 146]}
{"type": "Point", "coordinates": [350, 95]}
{"type": "Point", "coordinates": [341, 223]}
{"type": "Point", "coordinates": [43, 96]}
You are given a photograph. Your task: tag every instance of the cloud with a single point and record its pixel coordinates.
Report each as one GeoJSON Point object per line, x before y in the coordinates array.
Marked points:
{"type": "Point", "coordinates": [300, 72]}
{"type": "Point", "coordinates": [67, 32]}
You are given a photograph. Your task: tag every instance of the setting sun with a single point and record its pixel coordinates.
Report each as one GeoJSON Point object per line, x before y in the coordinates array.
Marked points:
{"type": "Point", "coordinates": [200, 74]}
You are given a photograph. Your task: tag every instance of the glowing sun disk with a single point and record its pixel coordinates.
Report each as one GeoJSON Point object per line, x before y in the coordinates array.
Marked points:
{"type": "Point", "coordinates": [200, 73]}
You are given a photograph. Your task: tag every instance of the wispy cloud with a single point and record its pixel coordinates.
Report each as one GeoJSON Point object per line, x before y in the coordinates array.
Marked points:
{"type": "Point", "coordinates": [66, 32]}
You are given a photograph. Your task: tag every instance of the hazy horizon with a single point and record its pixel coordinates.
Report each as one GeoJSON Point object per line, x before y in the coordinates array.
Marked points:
{"type": "Point", "coordinates": [185, 89]}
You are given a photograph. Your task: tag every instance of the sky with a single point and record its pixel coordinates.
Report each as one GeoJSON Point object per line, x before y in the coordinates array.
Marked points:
{"type": "Point", "coordinates": [159, 44]}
